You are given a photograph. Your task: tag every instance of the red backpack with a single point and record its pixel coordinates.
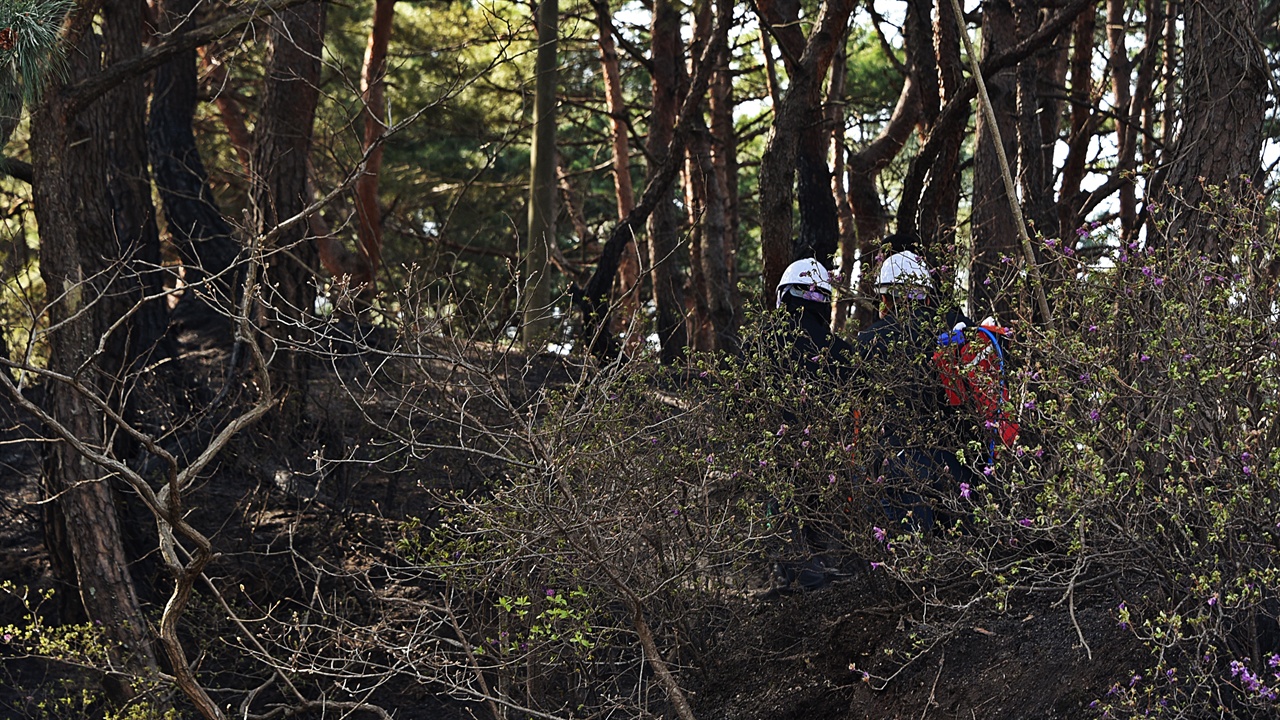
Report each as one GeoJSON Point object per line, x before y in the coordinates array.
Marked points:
{"type": "Point", "coordinates": [970, 362]}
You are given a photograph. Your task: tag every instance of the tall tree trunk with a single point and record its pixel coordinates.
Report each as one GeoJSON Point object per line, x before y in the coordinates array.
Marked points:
{"type": "Point", "coordinates": [993, 231]}
{"type": "Point", "coordinates": [668, 281]}
{"type": "Point", "coordinates": [709, 258]}
{"type": "Point", "coordinates": [724, 155]}
{"type": "Point", "coordinates": [628, 286]}
{"type": "Point", "coordinates": [1035, 177]}
{"type": "Point", "coordinates": [791, 152]}
{"type": "Point", "coordinates": [1224, 91]}
{"type": "Point", "coordinates": [373, 94]}
{"type": "Point", "coordinates": [202, 236]}
{"type": "Point", "coordinates": [283, 142]}
{"type": "Point", "coordinates": [940, 199]}
{"type": "Point", "coordinates": [73, 168]}
{"type": "Point", "coordinates": [542, 181]}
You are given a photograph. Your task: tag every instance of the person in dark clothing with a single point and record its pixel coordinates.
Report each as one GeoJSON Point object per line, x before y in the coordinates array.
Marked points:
{"type": "Point", "coordinates": [804, 292]}
{"type": "Point", "coordinates": [805, 346]}
{"type": "Point", "coordinates": [898, 350]}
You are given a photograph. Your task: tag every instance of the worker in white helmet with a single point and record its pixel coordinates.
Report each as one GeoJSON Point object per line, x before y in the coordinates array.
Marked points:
{"type": "Point", "coordinates": [806, 348]}
{"type": "Point", "coordinates": [899, 346]}
{"type": "Point", "coordinates": [805, 293]}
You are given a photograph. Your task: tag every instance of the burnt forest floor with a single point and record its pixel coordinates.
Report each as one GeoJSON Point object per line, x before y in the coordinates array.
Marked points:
{"type": "Point", "coordinates": [862, 647]}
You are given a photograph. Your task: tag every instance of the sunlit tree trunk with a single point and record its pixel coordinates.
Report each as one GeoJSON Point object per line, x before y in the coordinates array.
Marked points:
{"type": "Point", "coordinates": [373, 94]}
{"type": "Point", "coordinates": [628, 285]}
{"type": "Point", "coordinates": [1083, 123]}
{"type": "Point", "coordinates": [542, 182]}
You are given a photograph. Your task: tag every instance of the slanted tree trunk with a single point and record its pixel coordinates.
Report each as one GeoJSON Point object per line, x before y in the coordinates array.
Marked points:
{"type": "Point", "coordinates": [203, 237]}
{"type": "Point", "coordinates": [282, 142]}
{"type": "Point", "coordinates": [664, 223]}
{"type": "Point", "coordinates": [373, 94]}
{"type": "Point", "coordinates": [542, 182]}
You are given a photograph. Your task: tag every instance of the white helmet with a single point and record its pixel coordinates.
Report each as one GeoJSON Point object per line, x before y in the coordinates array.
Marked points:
{"type": "Point", "coordinates": [904, 272]}
{"type": "Point", "coordinates": [806, 279]}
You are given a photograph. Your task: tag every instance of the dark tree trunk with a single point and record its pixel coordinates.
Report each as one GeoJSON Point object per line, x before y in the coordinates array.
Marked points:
{"type": "Point", "coordinates": [664, 223]}
{"type": "Point", "coordinates": [724, 145]}
{"type": "Point", "coordinates": [940, 198]}
{"type": "Point", "coordinates": [201, 234]}
{"type": "Point", "coordinates": [1224, 89]}
{"type": "Point", "coordinates": [994, 234]}
{"type": "Point", "coordinates": [283, 141]}
{"type": "Point", "coordinates": [1083, 122]}
{"type": "Point", "coordinates": [77, 181]}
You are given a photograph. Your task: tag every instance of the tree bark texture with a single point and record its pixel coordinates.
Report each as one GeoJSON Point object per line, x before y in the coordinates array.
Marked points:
{"type": "Point", "coordinates": [282, 143]}
{"type": "Point", "coordinates": [791, 151]}
{"type": "Point", "coordinates": [80, 256]}
{"type": "Point", "coordinates": [724, 154]}
{"type": "Point", "coordinates": [993, 232]}
{"type": "Point", "coordinates": [628, 286]}
{"type": "Point", "coordinates": [1224, 90]}
{"type": "Point", "coordinates": [664, 223]}
{"type": "Point", "coordinates": [940, 198]}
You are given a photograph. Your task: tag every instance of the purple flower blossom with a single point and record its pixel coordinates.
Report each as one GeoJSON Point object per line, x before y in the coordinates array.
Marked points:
{"type": "Point", "coordinates": [988, 470]}
{"type": "Point", "coordinates": [880, 534]}
{"type": "Point", "coordinates": [831, 479]}
{"type": "Point", "coordinates": [551, 592]}
{"type": "Point", "coordinates": [1147, 271]}
{"type": "Point", "coordinates": [964, 490]}
{"type": "Point", "coordinates": [1144, 358]}
{"type": "Point", "coordinates": [1158, 282]}
{"type": "Point", "coordinates": [1025, 522]}
{"type": "Point", "coordinates": [876, 565]}
{"type": "Point", "coordinates": [764, 463]}
{"type": "Point", "coordinates": [1093, 328]}
{"type": "Point", "coordinates": [782, 430]}
{"type": "Point", "coordinates": [1030, 404]}
{"type": "Point", "coordinates": [1094, 414]}
{"type": "Point", "coordinates": [1246, 456]}
{"type": "Point", "coordinates": [1213, 600]}
{"type": "Point", "coordinates": [1247, 470]}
